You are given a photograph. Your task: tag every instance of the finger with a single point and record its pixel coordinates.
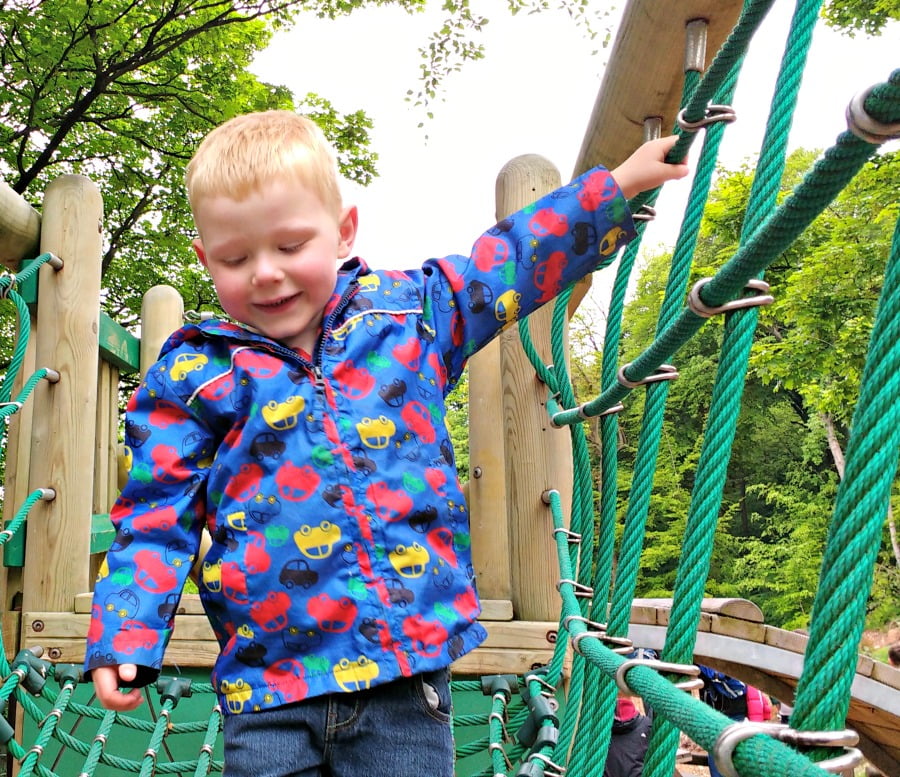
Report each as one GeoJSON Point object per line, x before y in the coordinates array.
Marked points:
{"type": "Point", "coordinates": [127, 672]}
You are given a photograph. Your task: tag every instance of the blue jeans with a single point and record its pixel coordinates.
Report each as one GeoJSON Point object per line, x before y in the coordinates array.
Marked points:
{"type": "Point", "coordinates": [399, 729]}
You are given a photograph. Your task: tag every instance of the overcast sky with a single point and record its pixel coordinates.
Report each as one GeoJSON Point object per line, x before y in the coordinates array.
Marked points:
{"type": "Point", "coordinates": [532, 93]}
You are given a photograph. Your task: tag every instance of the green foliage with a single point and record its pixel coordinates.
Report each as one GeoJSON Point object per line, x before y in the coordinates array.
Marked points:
{"type": "Point", "coordinates": [806, 365]}
{"type": "Point", "coordinates": [122, 92]}
{"type": "Point", "coordinates": [867, 16]}
{"type": "Point", "coordinates": [458, 424]}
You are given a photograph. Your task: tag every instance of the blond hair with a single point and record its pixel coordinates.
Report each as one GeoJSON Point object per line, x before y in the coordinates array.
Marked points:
{"type": "Point", "coordinates": [250, 150]}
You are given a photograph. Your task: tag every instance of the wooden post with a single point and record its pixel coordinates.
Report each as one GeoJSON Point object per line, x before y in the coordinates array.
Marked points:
{"type": "Point", "coordinates": [59, 531]}
{"type": "Point", "coordinates": [538, 456]}
{"type": "Point", "coordinates": [162, 312]}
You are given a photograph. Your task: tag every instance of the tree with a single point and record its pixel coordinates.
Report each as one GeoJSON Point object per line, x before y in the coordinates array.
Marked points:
{"type": "Point", "coordinates": [797, 404]}
{"type": "Point", "coordinates": [122, 91]}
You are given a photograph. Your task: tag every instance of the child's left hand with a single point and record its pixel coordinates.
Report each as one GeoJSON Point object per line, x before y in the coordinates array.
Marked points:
{"type": "Point", "coordinates": [646, 168]}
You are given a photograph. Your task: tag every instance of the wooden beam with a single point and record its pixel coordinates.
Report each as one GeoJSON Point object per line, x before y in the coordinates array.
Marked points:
{"type": "Point", "coordinates": [20, 228]}
{"type": "Point", "coordinates": [645, 74]}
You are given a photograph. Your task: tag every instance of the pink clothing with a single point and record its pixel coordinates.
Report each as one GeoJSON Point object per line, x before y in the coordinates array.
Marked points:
{"type": "Point", "coordinates": [759, 708]}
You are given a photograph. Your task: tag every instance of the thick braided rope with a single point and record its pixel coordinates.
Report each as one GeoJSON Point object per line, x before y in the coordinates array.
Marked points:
{"type": "Point", "coordinates": [854, 535]}
{"type": "Point", "coordinates": [822, 184]}
{"type": "Point", "coordinates": [709, 480]}
{"type": "Point", "coordinates": [702, 723]}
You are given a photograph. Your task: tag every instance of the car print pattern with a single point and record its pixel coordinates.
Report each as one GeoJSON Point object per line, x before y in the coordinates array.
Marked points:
{"type": "Point", "coordinates": [340, 555]}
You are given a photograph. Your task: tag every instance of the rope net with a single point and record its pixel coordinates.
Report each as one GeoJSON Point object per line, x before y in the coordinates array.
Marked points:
{"type": "Point", "coordinates": [519, 727]}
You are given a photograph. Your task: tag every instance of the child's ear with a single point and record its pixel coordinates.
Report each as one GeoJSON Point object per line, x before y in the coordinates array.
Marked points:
{"type": "Point", "coordinates": [347, 225]}
{"type": "Point", "coordinates": [198, 249]}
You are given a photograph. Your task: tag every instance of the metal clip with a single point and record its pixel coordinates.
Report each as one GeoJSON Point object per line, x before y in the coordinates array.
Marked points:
{"type": "Point", "coordinates": [690, 670]}
{"type": "Point", "coordinates": [644, 213]}
{"type": "Point", "coordinates": [663, 372]}
{"type": "Point", "coordinates": [579, 589]}
{"type": "Point", "coordinates": [598, 631]}
{"type": "Point", "coordinates": [551, 769]}
{"type": "Point", "coordinates": [7, 288]}
{"type": "Point", "coordinates": [700, 308]}
{"type": "Point", "coordinates": [731, 736]}
{"type": "Point", "coordinates": [714, 113]}
{"type": "Point", "coordinates": [573, 538]}
{"type": "Point", "coordinates": [861, 123]}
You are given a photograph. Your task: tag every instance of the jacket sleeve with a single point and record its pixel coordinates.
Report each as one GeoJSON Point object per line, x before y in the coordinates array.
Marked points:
{"type": "Point", "coordinates": [523, 262]}
{"type": "Point", "coordinates": [158, 519]}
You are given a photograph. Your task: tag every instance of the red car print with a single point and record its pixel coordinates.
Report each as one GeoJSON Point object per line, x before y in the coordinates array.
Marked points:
{"type": "Point", "coordinates": [437, 479]}
{"type": "Point", "coordinates": [219, 388]}
{"type": "Point", "coordinates": [296, 484]}
{"type": "Point", "coordinates": [152, 573]}
{"type": "Point", "coordinates": [259, 365]}
{"type": "Point", "coordinates": [167, 467]}
{"type": "Point", "coordinates": [599, 187]}
{"type": "Point", "coordinates": [409, 354]}
{"type": "Point", "coordinates": [466, 604]}
{"type": "Point", "coordinates": [456, 280]}
{"type": "Point", "coordinates": [548, 222]}
{"type": "Point", "coordinates": [489, 252]}
{"type": "Point", "coordinates": [286, 678]}
{"type": "Point", "coordinates": [441, 542]}
{"type": "Point", "coordinates": [167, 413]}
{"type": "Point", "coordinates": [271, 613]}
{"type": "Point", "coordinates": [333, 615]}
{"type": "Point", "coordinates": [457, 328]}
{"type": "Point", "coordinates": [134, 636]}
{"type": "Point", "coordinates": [428, 637]}
{"type": "Point", "coordinates": [390, 505]}
{"type": "Point", "coordinates": [234, 583]}
{"type": "Point", "coordinates": [354, 382]}
{"type": "Point", "coordinates": [256, 559]}
{"type": "Point", "coordinates": [95, 629]}
{"type": "Point", "coordinates": [548, 275]}
{"type": "Point", "coordinates": [418, 420]}
{"type": "Point", "coordinates": [163, 519]}
{"type": "Point", "coordinates": [245, 484]}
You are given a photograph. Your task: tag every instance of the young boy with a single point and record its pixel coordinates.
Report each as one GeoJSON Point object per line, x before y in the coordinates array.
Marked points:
{"type": "Point", "coordinates": [308, 435]}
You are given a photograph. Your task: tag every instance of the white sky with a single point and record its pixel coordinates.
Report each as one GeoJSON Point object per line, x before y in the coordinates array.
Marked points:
{"type": "Point", "coordinates": [532, 93]}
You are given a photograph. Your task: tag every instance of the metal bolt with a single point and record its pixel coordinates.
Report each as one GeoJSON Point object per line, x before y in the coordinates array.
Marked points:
{"type": "Point", "coordinates": [476, 473]}
{"type": "Point", "coordinates": [37, 626]}
{"type": "Point", "coordinates": [54, 653]}
{"type": "Point", "coordinates": [552, 636]}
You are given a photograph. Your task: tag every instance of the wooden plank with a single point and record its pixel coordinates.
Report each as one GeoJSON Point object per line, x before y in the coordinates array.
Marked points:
{"type": "Point", "coordinates": [735, 627]}
{"type": "Point", "coordinates": [487, 661]}
{"type": "Point", "coordinates": [10, 623]}
{"type": "Point", "coordinates": [495, 609]}
{"type": "Point", "coordinates": [487, 497]}
{"type": "Point", "coordinates": [20, 228]}
{"type": "Point", "coordinates": [644, 77]}
{"type": "Point", "coordinates": [732, 607]}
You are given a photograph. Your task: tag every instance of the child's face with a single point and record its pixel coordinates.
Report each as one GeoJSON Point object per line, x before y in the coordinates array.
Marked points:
{"type": "Point", "coordinates": [273, 257]}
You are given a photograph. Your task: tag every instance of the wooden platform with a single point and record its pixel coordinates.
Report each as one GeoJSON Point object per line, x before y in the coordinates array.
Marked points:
{"type": "Point", "coordinates": [764, 656]}
{"type": "Point", "coordinates": [772, 659]}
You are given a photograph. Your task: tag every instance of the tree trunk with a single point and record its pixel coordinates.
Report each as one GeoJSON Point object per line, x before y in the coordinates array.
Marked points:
{"type": "Point", "coordinates": [837, 454]}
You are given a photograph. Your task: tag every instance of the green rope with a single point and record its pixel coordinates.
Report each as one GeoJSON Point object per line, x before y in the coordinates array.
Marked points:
{"type": "Point", "coordinates": [821, 185]}
{"type": "Point", "coordinates": [854, 535]}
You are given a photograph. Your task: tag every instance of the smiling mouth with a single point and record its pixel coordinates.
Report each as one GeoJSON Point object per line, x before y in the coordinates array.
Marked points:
{"type": "Point", "coordinates": [276, 304]}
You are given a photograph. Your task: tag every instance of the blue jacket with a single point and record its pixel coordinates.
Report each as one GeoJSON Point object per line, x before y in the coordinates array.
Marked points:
{"type": "Point", "coordinates": [340, 554]}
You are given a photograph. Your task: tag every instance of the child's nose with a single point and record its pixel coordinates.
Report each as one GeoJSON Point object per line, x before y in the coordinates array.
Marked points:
{"type": "Point", "coordinates": [267, 270]}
